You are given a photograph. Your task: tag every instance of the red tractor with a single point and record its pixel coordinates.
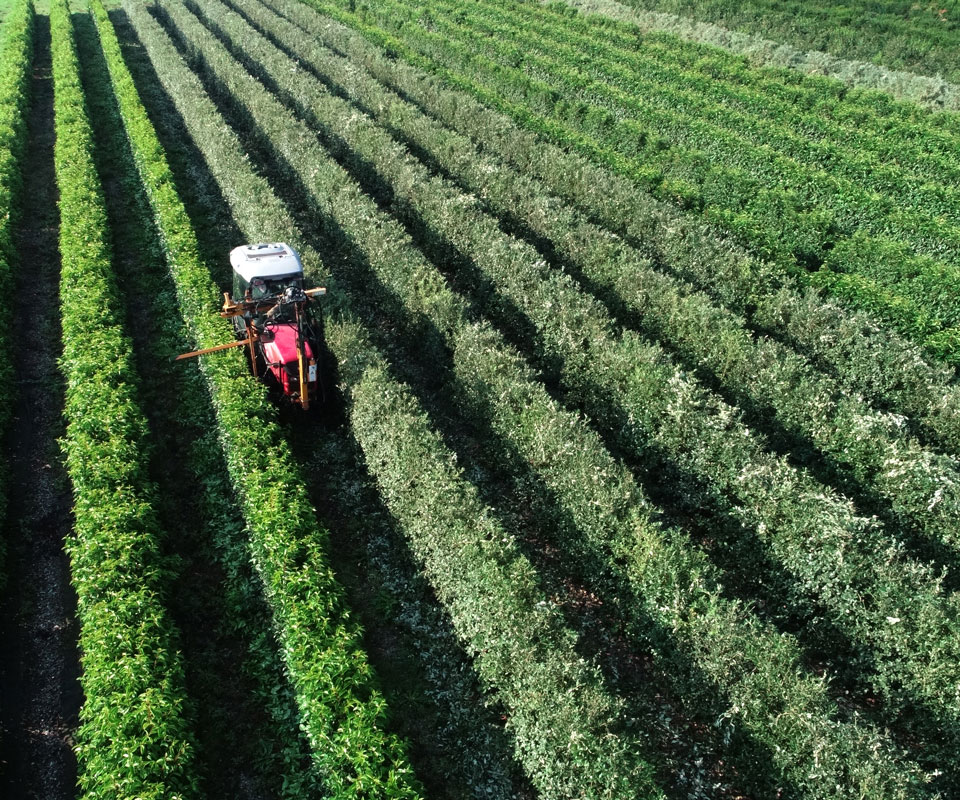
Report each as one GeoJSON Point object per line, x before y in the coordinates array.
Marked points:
{"type": "Point", "coordinates": [276, 319]}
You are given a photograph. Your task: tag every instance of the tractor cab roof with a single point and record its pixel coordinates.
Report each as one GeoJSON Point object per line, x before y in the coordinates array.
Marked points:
{"type": "Point", "coordinates": [267, 261]}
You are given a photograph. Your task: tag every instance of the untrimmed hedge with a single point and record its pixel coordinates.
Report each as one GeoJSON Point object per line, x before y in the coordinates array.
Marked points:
{"type": "Point", "coordinates": [134, 740]}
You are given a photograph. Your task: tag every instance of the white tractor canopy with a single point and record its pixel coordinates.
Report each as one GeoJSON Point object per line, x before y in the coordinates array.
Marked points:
{"type": "Point", "coordinates": [265, 268]}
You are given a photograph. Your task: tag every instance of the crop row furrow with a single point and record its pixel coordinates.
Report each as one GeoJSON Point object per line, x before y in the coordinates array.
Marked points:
{"type": "Point", "coordinates": [568, 730]}
{"type": "Point", "coordinates": [872, 446]}
{"type": "Point", "coordinates": [630, 387]}
{"type": "Point", "coordinates": [16, 60]}
{"type": "Point", "coordinates": [917, 146]}
{"type": "Point", "coordinates": [690, 113]}
{"type": "Point", "coordinates": [632, 390]}
{"type": "Point", "coordinates": [862, 360]}
{"type": "Point", "coordinates": [500, 379]}
{"type": "Point", "coordinates": [764, 199]}
{"type": "Point", "coordinates": [795, 232]}
{"type": "Point", "coordinates": [135, 738]}
{"type": "Point", "coordinates": [343, 714]}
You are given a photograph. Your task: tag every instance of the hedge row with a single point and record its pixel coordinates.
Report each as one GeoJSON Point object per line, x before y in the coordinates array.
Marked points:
{"type": "Point", "coordinates": [553, 698]}
{"type": "Point", "coordinates": [922, 486]}
{"type": "Point", "coordinates": [342, 712]}
{"type": "Point", "coordinates": [744, 198]}
{"type": "Point", "coordinates": [181, 412]}
{"type": "Point", "coordinates": [863, 358]}
{"type": "Point", "coordinates": [774, 227]}
{"type": "Point", "coordinates": [406, 278]}
{"type": "Point", "coordinates": [134, 739]}
{"type": "Point", "coordinates": [16, 60]}
{"type": "Point", "coordinates": [631, 390]}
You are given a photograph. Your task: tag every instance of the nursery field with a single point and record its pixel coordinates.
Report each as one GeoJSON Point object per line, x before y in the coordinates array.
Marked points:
{"type": "Point", "coordinates": [639, 474]}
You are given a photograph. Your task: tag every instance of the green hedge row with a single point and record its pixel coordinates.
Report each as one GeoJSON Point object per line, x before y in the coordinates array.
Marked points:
{"type": "Point", "coordinates": [343, 714]}
{"type": "Point", "coordinates": [630, 389]}
{"type": "Point", "coordinates": [16, 60]}
{"type": "Point", "coordinates": [767, 204]}
{"type": "Point", "coordinates": [182, 413]}
{"type": "Point", "coordinates": [862, 359]}
{"type": "Point", "coordinates": [923, 486]}
{"type": "Point", "coordinates": [552, 696]}
{"type": "Point", "coordinates": [775, 227]}
{"type": "Point", "coordinates": [475, 352]}
{"type": "Point", "coordinates": [918, 146]}
{"type": "Point", "coordinates": [134, 739]}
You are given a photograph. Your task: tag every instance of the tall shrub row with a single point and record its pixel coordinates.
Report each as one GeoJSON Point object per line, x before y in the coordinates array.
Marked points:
{"type": "Point", "coordinates": [863, 358]}
{"type": "Point", "coordinates": [342, 711]}
{"type": "Point", "coordinates": [134, 739]}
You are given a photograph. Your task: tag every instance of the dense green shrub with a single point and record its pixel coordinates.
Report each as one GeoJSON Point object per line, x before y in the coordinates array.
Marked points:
{"type": "Point", "coordinates": [134, 740]}
{"type": "Point", "coordinates": [16, 61]}
{"type": "Point", "coordinates": [343, 713]}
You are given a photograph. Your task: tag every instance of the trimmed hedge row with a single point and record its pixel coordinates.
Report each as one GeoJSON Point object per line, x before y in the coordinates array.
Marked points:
{"type": "Point", "coordinates": [406, 278]}
{"type": "Point", "coordinates": [570, 733]}
{"type": "Point", "coordinates": [776, 226]}
{"type": "Point", "coordinates": [873, 447]}
{"type": "Point", "coordinates": [182, 415]}
{"type": "Point", "coordinates": [134, 739]}
{"type": "Point", "coordinates": [630, 389]}
{"type": "Point", "coordinates": [862, 358]}
{"type": "Point", "coordinates": [343, 714]}
{"type": "Point", "coordinates": [16, 60]}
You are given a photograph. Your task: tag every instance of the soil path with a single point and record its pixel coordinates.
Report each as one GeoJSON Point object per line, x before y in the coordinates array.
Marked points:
{"type": "Point", "coordinates": [39, 664]}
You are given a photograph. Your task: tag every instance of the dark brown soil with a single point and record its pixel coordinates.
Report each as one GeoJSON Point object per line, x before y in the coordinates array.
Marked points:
{"type": "Point", "coordinates": [39, 664]}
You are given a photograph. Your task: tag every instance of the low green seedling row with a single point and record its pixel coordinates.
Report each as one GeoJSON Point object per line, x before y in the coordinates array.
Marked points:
{"type": "Point", "coordinates": [134, 739]}
{"type": "Point", "coordinates": [904, 35]}
{"type": "Point", "coordinates": [342, 712]}
{"type": "Point", "coordinates": [707, 78]}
